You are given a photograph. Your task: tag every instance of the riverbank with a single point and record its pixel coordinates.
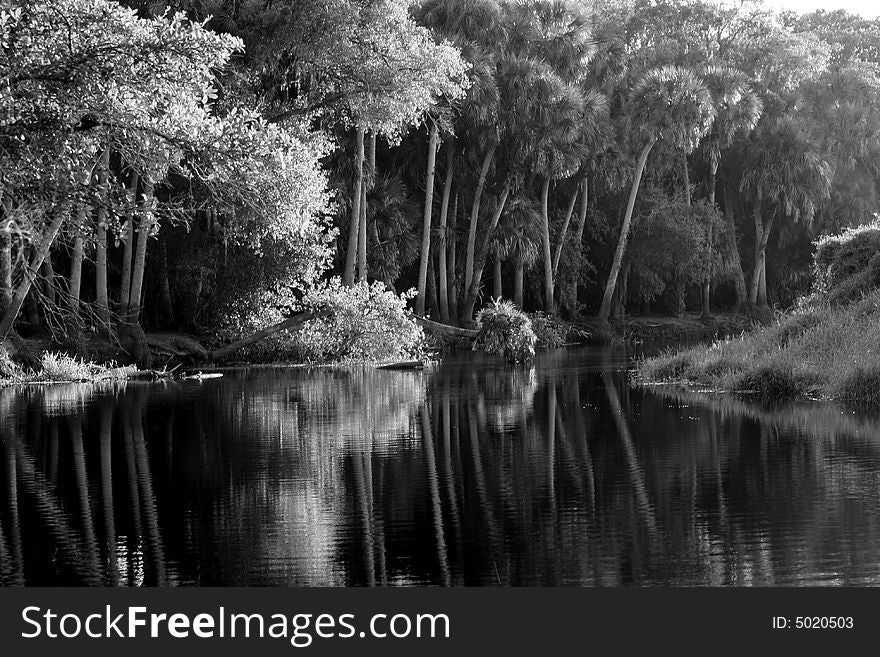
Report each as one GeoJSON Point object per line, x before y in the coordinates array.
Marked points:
{"type": "Point", "coordinates": [831, 352]}
{"type": "Point", "coordinates": [828, 349]}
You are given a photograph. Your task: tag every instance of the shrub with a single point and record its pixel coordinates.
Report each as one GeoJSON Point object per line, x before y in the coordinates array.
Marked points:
{"type": "Point", "coordinates": [549, 332]}
{"type": "Point", "coordinates": [847, 265]}
{"type": "Point", "coordinates": [368, 323]}
{"type": "Point", "coordinates": [9, 369]}
{"type": "Point", "coordinates": [505, 330]}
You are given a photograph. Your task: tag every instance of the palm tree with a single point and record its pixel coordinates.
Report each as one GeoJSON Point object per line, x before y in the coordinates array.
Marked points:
{"type": "Point", "coordinates": [737, 110]}
{"type": "Point", "coordinates": [786, 173]}
{"type": "Point", "coordinates": [669, 103]}
{"type": "Point", "coordinates": [519, 238]}
{"type": "Point", "coordinates": [554, 45]}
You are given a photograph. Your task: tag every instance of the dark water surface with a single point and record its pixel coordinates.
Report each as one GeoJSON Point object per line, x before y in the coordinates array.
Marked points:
{"type": "Point", "coordinates": [470, 473]}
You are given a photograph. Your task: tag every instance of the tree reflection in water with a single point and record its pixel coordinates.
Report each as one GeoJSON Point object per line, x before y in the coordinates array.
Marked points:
{"type": "Point", "coordinates": [471, 473]}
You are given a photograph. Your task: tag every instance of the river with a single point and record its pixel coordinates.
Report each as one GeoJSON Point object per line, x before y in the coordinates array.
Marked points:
{"type": "Point", "coordinates": [469, 473]}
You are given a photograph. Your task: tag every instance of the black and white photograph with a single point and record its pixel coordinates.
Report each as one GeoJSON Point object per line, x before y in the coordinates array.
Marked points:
{"type": "Point", "coordinates": [440, 293]}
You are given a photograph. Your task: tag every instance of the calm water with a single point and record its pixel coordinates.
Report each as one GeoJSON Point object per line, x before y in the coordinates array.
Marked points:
{"type": "Point", "coordinates": [472, 473]}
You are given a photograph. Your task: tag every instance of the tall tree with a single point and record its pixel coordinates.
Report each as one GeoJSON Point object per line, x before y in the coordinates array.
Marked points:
{"type": "Point", "coordinates": [785, 175]}
{"type": "Point", "coordinates": [672, 104]}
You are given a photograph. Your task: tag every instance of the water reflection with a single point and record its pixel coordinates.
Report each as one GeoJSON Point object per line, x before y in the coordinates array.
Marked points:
{"type": "Point", "coordinates": [473, 473]}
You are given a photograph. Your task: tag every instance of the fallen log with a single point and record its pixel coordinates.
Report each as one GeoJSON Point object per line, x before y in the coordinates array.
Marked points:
{"type": "Point", "coordinates": [402, 365]}
{"type": "Point", "coordinates": [447, 330]}
{"type": "Point", "coordinates": [294, 321]}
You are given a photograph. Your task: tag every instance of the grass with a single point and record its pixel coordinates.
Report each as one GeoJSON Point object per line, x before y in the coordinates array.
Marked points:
{"type": "Point", "coordinates": [58, 368]}
{"type": "Point", "coordinates": [828, 352]}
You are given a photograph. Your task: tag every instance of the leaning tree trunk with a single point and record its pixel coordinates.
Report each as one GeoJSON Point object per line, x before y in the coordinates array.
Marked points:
{"type": "Point", "coordinates": [472, 292]}
{"type": "Point", "coordinates": [145, 227]}
{"type": "Point", "coordinates": [101, 300]}
{"type": "Point", "coordinates": [351, 252]}
{"type": "Point", "coordinates": [426, 220]}
{"type": "Point", "coordinates": [290, 323]}
{"type": "Point", "coordinates": [496, 277]}
{"type": "Point", "coordinates": [579, 235]}
{"type": "Point", "coordinates": [49, 278]}
{"type": "Point", "coordinates": [128, 245]}
{"type": "Point", "coordinates": [24, 287]}
{"type": "Point", "coordinates": [475, 214]}
{"type": "Point", "coordinates": [562, 233]}
{"type": "Point", "coordinates": [549, 306]}
{"type": "Point", "coordinates": [605, 309]}
{"type": "Point", "coordinates": [442, 278]}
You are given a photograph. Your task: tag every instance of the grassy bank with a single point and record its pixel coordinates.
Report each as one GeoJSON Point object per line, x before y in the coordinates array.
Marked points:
{"type": "Point", "coordinates": [58, 368]}
{"type": "Point", "coordinates": [829, 348]}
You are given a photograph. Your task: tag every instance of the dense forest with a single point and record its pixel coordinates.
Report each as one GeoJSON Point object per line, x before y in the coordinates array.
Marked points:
{"type": "Point", "coordinates": [205, 165]}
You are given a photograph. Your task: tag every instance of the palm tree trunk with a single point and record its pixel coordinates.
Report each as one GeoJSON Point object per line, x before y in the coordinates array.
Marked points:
{"type": "Point", "coordinates": [713, 171]}
{"type": "Point", "coordinates": [619, 305]}
{"type": "Point", "coordinates": [475, 214]}
{"type": "Point", "coordinates": [706, 287]}
{"type": "Point", "coordinates": [480, 261]}
{"type": "Point", "coordinates": [518, 282]}
{"type": "Point", "coordinates": [145, 227]}
{"type": "Point", "coordinates": [351, 251]}
{"type": "Point", "coordinates": [762, 285]}
{"type": "Point", "coordinates": [443, 283]}
{"type": "Point", "coordinates": [579, 235]}
{"type": "Point", "coordinates": [758, 292]}
{"type": "Point", "coordinates": [24, 287]}
{"type": "Point", "coordinates": [128, 247]}
{"type": "Point", "coordinates": [605, 309]}
{"type": "Point", "coordinates": [451, 245]}
{"type": "Point", "coordinates": [732, 248]}
{"type": "Point", "coordinates": [49, 276]}
{"type": "Point", "coordinates": [496, 276]}
{"type": "Point", "coordinates": [76, 261]}
{"type": "Point", "coordinates": [101, 300]}
{"type": "Point", "coordinates": [549, 306]}
{"type": "Point", "coordinates": [686, 178]}
{"type": "Point", "coordinates": [558, 253]}
{"type": "Point", "coordinates": [426, 219]}
{"type": "Point", "coordinates": [165, 298]}
{"type": "Point", "coordinates": [369, 177]}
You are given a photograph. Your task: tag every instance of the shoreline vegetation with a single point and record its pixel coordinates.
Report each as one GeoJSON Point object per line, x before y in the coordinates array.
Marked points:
{"type": "Point", "coordinates": [346, 182]}
{"type": "Point", "coordinates": [827, 348]}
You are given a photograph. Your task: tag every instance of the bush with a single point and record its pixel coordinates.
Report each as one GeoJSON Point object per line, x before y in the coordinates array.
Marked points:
{"type": "Point", "coordinates": [548, 331]}
{"type": "Point", "coordinates": [847, 265]}
{"type": "Point", "coordinates": [9, 369]}
{"type": "Point", "coordinates": [368, 323]}
{"type": "Point", "coordinates": [505, 330]}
